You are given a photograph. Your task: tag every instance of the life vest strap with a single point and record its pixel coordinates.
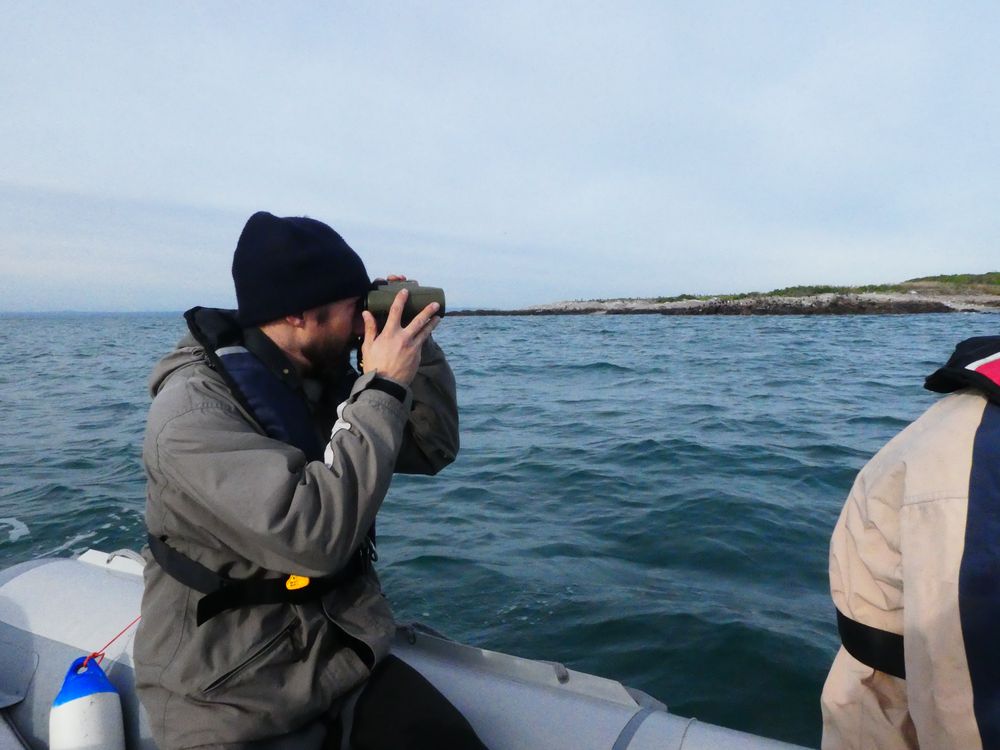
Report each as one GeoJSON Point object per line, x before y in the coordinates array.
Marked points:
{"type": "Point", "coordinates": [222, 593]}
{"type": "Point", "coordinates": [879, 649]}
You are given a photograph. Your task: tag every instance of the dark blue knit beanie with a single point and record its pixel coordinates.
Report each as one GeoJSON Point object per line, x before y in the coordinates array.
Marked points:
{"type": "Point", "coordinates": [284, 266]}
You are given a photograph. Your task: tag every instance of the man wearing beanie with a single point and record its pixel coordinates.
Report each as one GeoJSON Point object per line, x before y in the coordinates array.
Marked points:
{"type": "Point", "coordinates": [267, 457]}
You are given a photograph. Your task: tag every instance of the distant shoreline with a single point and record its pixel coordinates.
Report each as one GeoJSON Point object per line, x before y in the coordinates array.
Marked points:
{"type": "Point", "coordinates": [866, 303]}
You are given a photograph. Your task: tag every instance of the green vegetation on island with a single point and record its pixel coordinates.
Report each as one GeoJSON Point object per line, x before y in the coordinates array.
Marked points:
{"type": "Point", "coordinates": [952, 284]}
{"type": "Point", "coordinates": [965, 292]}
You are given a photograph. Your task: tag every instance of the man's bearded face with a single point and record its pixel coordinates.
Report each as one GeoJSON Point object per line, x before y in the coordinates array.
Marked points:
{"type": "Point", "coordinates": [334, 330]}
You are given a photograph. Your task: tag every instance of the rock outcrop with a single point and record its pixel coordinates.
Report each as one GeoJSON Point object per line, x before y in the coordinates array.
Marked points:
{"type": "Point", "coordinates": [819, 304]}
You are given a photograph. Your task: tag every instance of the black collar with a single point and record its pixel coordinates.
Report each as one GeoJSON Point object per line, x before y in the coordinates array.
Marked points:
{"type": "Point", "coordinates": [273, 357]}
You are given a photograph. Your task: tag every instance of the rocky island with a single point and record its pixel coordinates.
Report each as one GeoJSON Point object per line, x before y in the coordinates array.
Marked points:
{"type": "Point", "coordinates": [931, 294]}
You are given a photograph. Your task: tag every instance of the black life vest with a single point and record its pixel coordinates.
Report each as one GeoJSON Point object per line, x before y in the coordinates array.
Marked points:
{"type": "Point", "coordinates": [975, 363]}
{"type": "Point", "coordinates": [283, 414]}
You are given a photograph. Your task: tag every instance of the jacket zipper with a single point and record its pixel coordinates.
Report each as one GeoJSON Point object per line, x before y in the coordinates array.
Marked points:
{"type": "Point", "coordinates": [263, 651]}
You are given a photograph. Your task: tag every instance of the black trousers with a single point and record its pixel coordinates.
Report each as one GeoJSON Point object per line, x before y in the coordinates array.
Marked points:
{"type": "Point", "coordinates": [398, 709]}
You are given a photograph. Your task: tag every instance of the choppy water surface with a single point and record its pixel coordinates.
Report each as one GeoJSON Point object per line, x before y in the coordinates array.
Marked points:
{"type": "Point", "coordinates": [647, 498]}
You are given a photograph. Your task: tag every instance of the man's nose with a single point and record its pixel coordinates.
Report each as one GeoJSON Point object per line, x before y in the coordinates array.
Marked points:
{"type": "Point", "coordinates": [359, 325]}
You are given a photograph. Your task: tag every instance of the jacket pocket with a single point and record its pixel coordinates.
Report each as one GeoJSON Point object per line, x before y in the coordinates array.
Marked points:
{"type": "Point", "coordinates": [279, 643]}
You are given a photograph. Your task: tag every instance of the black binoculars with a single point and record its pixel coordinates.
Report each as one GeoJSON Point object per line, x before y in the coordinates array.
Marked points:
{"type": "Point", "coordinates": [383, 293]}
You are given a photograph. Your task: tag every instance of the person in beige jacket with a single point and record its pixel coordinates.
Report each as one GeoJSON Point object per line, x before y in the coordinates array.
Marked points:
{"type": "Point", "coordinates": [915, 576]}
{"type": "Point", "coordinates": [268, 457]}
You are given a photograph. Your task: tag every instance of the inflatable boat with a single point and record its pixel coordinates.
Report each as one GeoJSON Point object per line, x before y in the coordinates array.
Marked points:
{"type": "Point", "coordinates": [55, 610]}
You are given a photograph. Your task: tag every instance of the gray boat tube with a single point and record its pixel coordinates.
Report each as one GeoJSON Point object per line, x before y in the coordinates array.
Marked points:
{"type": "Point", "coordinates": [53, 611]}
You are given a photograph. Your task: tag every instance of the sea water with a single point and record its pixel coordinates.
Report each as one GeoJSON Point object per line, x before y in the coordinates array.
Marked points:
{"type": "Point", "coordinates": [641, 497]}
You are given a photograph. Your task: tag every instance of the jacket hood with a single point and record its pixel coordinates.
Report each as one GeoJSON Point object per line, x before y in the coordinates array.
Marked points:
{"type": "Point", "coordinates": [187, 352]}
{"type": "Point", "coordinates": [975, 363]}
{"type": "Point", "coordinates": [207, 328]}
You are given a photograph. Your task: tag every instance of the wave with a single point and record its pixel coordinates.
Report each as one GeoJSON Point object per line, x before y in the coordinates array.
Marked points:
{"type": "Point", "coordinates": [649, 499]}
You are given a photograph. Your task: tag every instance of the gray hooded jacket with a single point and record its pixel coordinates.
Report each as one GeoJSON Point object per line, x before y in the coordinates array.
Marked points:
{"type": "Point", "coordinates": [246, 505]}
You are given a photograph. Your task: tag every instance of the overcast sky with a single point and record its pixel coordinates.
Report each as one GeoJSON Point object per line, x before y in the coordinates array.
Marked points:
{"type": "Point", "coordinates": [514, 153]}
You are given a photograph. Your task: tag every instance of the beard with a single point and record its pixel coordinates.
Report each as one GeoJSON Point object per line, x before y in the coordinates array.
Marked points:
{"type": "Point", "coordinates": [328, 359]}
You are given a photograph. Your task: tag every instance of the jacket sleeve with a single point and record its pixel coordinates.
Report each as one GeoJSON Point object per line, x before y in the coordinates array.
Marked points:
{"type": "Point", "coordinates": [431, 436]}
{"type": "Point", "coordinates": [864, 708]}
{"type": "Point", "coordinates": [260, 497]}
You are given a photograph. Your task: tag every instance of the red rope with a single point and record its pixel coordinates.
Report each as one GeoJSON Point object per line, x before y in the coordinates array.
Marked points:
{"type": "Point", "coordinates": [99, 655]}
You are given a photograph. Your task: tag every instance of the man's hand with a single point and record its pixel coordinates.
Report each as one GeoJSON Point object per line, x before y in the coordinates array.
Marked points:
{"type": "Point", "coordinates": [395, 352]}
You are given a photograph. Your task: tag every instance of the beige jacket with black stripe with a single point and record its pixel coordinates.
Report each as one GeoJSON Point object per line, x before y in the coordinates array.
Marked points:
{"type": "Point", "coordinates": [896, 562]}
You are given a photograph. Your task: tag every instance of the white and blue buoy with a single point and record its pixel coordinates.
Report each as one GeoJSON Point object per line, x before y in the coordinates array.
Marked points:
{"type": "Point", "coordinates": [87, 713]}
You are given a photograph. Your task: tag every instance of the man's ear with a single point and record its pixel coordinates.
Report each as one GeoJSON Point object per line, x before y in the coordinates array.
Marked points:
{"type": "Point", "coordinates": [296, 321]}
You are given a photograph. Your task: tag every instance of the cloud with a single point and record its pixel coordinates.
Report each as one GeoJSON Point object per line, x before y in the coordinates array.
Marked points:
{"type": "Point", "coordinates": [518, 153]}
